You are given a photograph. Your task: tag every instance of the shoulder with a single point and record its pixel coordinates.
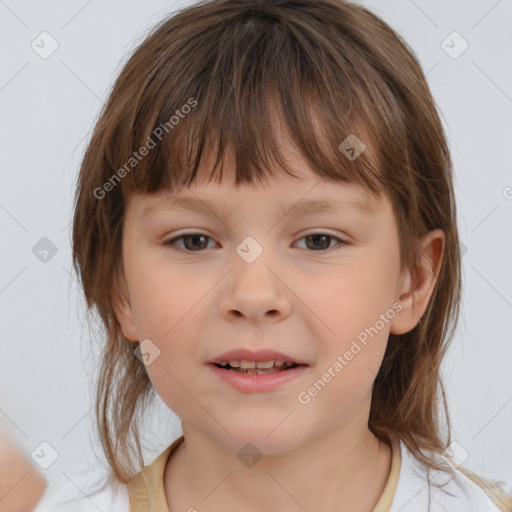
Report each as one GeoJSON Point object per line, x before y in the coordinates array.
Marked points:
{"type": "Point", "coordinates": [422, 488]}
{"type": "Point", "coordinates": [85, 493]}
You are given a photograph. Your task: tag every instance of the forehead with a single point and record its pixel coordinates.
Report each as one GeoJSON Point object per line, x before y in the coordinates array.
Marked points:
{"type": "Point", "coordinates": [300, 197]}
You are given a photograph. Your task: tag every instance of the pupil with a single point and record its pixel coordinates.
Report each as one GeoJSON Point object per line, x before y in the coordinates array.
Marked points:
{"type": "Point", "coordinates": [326, 238]}
{"type": "Point", "coordinates": [194, 237]}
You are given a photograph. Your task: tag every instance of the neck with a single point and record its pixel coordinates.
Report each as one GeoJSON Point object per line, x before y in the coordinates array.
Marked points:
{"type": "Point", "coordinates": [340, 470]}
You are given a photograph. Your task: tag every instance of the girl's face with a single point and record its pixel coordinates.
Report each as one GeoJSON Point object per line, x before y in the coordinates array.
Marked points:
{"type": "Point", "coordinates": [267, 269]}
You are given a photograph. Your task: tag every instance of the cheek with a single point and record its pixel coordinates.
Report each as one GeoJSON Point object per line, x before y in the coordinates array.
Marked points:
{"type": "Point", "coordinates": [163, 296]}
{"type": "Point", "coordinates": [352, 312]}
{"type": "Point", "coordinates": [351, 297]}
{"type": "Point", "coordinates": [167, 310]}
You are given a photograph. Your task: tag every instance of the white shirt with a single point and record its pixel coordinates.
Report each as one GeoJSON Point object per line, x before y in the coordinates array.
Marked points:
{"type": "Point", "coordinates": [412, 493]}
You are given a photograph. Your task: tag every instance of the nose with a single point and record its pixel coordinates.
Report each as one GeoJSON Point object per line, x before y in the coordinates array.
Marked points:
{"type": "Point", "coordinates": [256, 291]}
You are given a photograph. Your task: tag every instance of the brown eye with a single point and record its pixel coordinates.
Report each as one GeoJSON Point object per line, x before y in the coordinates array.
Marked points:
{"type": "Point", "coordinates": [192, 242]}
{"type": "Point", "coordinates": [320, 241]}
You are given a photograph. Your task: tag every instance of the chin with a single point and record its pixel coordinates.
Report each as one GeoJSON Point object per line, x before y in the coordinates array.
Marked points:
{"type": "Point", "coordinates": [281, 439]}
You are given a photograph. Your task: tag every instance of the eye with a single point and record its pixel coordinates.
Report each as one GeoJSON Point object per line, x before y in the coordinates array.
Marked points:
{"type": "Point", "coordinates": [320, 241]}
{"type": "Point", "coordinates": [194, 242]}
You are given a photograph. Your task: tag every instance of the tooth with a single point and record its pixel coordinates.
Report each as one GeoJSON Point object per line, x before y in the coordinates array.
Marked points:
{"type": "Point", "coordinates": [264, 364]}
{"type": "Point", "coordinates": [261, 365]}
{"type": "Point", "coordinates": [268, 370]}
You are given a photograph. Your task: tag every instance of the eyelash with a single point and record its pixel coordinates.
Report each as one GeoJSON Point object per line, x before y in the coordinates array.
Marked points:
{"type": "Point", "coordinates": [173, 245]}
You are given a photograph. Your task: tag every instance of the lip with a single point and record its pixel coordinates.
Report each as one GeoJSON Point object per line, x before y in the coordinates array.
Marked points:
{"type": "Point", "coordinates": [243, 354]}
{"type": "Point", "coordinates": [254, 383]}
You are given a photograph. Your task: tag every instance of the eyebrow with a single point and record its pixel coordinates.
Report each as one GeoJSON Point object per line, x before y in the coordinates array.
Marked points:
{"type": "Point", "coordinates": [302, 207]}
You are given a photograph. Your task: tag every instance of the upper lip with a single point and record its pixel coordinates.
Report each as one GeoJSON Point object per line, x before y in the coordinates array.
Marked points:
{"type": "Point", "coordinates": [243, 354]}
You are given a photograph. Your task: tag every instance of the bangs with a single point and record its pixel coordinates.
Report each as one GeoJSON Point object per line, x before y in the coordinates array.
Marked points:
{"type": "Point", "coordinates": [247, 99]}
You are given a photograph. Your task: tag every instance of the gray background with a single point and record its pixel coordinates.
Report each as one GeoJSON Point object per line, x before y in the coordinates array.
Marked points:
{"type": "Point", "coordinates": [48, 107]}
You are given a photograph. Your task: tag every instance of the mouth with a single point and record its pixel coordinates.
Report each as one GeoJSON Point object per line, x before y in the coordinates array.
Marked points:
{"type": "Point", "coordinates": [257, 367]}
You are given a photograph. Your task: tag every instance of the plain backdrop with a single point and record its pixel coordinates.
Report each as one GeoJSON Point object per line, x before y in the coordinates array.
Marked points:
{"type": "Point", "coordinates": [48, 107]}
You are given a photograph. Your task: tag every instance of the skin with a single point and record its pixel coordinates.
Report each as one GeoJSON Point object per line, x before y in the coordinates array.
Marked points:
{"type": "Point", "coordinates": [21, 485]}
{"type": "Point", "coordinates": [300, 298]}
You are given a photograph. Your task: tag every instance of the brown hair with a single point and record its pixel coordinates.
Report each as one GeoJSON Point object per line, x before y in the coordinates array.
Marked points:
{"type": "Point", "coordinates": [321, 70]}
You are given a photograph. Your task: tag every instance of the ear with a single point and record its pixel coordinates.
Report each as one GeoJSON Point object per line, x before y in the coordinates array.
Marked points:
{"type": "Point", "coordinates": [419, 283]}
{"type": "Point", "coordinates": [122, 306]}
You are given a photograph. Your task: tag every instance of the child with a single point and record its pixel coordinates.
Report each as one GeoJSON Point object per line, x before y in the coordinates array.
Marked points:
{"type": "Point", "coordinates": [265, 223]}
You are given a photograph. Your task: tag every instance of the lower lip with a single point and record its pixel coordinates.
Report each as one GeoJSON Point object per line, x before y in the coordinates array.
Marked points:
{"type": "Point", "coordinates": [254, 383]}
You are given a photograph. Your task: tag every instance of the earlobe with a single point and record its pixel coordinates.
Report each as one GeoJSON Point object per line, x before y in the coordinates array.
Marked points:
{"type": "Point", "coordinates": [418, 284]}
{"type": "Point", "coordinates": [122, 307]}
